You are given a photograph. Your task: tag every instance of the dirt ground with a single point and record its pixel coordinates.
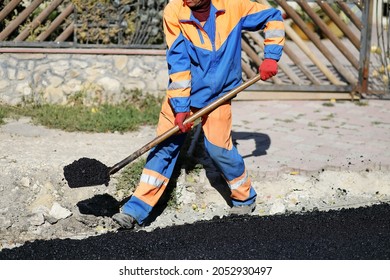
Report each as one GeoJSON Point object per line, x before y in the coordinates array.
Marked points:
{"type": "Point", "coordinates": [36, 202]}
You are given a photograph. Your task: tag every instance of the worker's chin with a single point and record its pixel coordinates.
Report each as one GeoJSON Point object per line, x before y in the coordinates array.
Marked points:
{"type": "Point", "coordinates": [191, 3]}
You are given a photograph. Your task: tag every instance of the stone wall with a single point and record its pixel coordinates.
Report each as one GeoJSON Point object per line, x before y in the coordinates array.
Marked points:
{"type": "Point", "coordinates": [53, 78]}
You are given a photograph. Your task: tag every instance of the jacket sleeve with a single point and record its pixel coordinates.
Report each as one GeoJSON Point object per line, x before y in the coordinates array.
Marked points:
{"type": "Point", "coordinates": [261, 17]}
{"type": "Point", "coordinates": [179, 84]}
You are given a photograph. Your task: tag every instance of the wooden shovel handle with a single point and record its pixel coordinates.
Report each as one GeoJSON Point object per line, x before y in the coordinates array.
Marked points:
{"type": "Point", "coordinates": [205, 110]}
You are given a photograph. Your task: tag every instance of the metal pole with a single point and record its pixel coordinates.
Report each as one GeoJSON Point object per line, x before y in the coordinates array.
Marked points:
{"type": "Point", "coordinates": [365, 39]}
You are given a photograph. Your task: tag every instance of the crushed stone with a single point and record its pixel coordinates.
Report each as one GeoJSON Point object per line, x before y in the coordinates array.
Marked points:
{"type": "Point", "coordinates": [33, 181]}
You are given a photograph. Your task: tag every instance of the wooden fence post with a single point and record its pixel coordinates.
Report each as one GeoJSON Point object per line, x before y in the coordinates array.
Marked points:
{"type": "Point", "coordinates": [364, 61]}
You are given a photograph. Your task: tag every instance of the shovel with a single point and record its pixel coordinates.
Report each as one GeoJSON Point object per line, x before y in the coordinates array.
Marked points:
{"type": "Point", "coordinates": [91, 172]}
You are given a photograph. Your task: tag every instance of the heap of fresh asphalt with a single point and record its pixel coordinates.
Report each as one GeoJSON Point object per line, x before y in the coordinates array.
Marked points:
{"type": "Point", "coordinates": [346, 234]}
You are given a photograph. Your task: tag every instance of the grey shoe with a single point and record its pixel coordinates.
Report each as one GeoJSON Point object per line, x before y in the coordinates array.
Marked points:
{"type": "Point", "coordinates": [243, 209]}
{"type": "Point", "coordinates": [124, 220]}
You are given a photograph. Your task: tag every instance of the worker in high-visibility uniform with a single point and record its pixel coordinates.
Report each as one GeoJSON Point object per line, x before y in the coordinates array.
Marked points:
{"type": "Point", "coordinates": [204, 63]}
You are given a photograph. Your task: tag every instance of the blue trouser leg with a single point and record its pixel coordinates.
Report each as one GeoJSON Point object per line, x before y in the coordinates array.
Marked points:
{"type": "Point", "coordinates": [232, 166]}
{"type": "Point", "coordinates": [157, 171]}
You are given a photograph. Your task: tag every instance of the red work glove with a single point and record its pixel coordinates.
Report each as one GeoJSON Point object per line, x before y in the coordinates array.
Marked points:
{"type": "Point", "coordinates": [179, 119]}
{"type": "Point", "coordinates": [268, 69]}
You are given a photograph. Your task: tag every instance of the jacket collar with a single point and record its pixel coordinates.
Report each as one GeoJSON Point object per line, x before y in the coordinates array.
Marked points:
{"type": "Point", "coordinates": [217, 6]}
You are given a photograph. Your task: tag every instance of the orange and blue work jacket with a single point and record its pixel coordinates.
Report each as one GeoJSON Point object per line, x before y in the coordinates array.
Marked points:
{"type": "Point", "coordinates": [204, 62]}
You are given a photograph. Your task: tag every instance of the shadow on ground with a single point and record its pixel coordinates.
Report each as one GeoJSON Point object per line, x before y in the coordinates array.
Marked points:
{"type": "Point", "coordinates": [262, 142]}
{"type": "Point", "coordinates": [101, 205]}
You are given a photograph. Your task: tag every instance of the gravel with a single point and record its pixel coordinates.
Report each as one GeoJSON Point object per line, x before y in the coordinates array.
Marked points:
{"type": "Point", "coordinates": [38, 202]}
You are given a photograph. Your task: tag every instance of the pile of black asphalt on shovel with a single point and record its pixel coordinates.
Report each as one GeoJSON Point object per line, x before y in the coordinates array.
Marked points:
{"type": "Point", "coordinates": [86, 172]}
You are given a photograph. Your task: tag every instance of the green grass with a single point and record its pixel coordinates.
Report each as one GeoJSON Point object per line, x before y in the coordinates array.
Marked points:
{"type": "Point", "coordinates": [361, 103]}
{"type": "Point", "coordinates": [129, 177]}
{"type": "Point", "coordinates": [127, 116]}
{"type": "Point", "coordinates": [3, 113]}
{"type": "Point", "coordinates": [328, 104]}
{"type": "Point", "coordinates": [105, 118]}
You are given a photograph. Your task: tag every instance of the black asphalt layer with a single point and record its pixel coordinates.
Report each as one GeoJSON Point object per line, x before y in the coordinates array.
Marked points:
{"type": "Point", "coordinates": [347, 234]}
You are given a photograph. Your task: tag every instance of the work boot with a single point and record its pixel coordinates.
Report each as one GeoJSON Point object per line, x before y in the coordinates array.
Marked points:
{"type": "Point", "coordinates": [243, 209]}
{"type": "Point", "coordinates": [124, 220]}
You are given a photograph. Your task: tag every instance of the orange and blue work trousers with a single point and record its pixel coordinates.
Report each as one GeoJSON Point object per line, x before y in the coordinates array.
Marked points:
{"type": "Point", "coordinates": [162, 159]}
